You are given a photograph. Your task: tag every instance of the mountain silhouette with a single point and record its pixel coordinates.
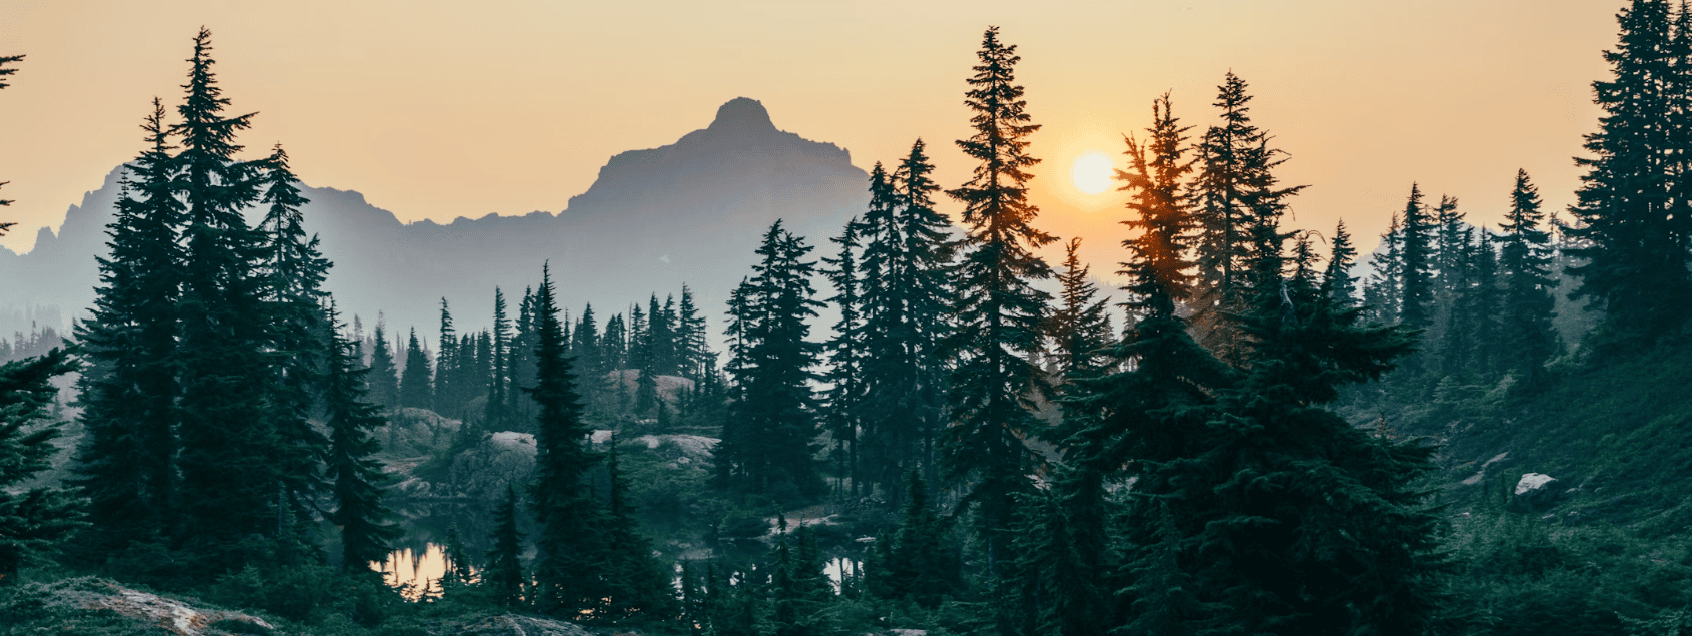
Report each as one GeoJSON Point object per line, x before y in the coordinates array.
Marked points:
{"type": "Point", "coordinates": [689, 212]}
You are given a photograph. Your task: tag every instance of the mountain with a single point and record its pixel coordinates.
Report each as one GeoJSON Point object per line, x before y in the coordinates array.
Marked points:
{"type": "Point", "coordinates": [688, 212]}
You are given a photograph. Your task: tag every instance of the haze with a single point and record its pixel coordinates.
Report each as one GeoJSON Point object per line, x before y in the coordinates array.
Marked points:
{"type": "Point", "coordinates": [438, 110]}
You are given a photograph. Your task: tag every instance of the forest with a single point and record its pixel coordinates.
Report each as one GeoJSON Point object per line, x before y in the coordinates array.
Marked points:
{"type": "Point", "coordinates": [917, 425]}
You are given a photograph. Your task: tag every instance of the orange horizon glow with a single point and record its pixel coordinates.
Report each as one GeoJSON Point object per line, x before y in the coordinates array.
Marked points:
{"type": "Point", "coordinates": [438, 110]}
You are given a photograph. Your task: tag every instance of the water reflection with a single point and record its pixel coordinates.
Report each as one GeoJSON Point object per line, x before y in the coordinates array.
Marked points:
{"type": "Point", "coordinates": [417, 573]}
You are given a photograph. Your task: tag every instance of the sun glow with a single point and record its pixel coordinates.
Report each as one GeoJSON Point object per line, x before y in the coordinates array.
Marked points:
{"type": "Point", "coordinates": [1091, 172]}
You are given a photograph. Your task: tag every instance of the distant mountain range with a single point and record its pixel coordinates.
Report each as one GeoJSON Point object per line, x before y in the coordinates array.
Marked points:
{"type": "Point", "coordinates": [691, 212]}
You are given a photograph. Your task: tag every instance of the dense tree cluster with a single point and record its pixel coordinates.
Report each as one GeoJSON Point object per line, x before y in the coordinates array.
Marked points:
{"type": "Point", "coordinates": [963, 451]}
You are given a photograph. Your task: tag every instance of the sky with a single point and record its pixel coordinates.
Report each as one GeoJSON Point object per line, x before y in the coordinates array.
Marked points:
{"type": "Point", "coordinates": [436, 110]}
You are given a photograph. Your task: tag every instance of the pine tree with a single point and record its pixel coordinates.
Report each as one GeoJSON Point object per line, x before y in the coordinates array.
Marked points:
{"type": "Point", "coordinates": [569, 518]}
{"type": "Point", "coordinates": [1337, 282]}
{"type": "Point", "coordinates": [384, 376]}
{"type": "Point", "coordinates": [920, 565]}
{"type": "Point", "coordinates": [37, 519]}
{"type": "Point", "coordinates": [1293, 518]}
{"type": "Point", "coordinates": [645, 332]}
{"type": "Point", "coordinates": [1234, 193]}
{"type": "Point", "coordinates": [4, 72]}
{"type": "Point", "coordinates": [907, 269]}
{"type": "Point", "coordinates": [1144, 419]}
{"type": "Point", "coordinates": [1452, 234]}
{"type": "Point", "coordinates": [1634, 234]}
{"type": "Point", "coordinates": [638, 586]}
{"type": "Point", "coordinates": [1383, 294]}
{"type": "Point", "coordinates": [590, 359]}
{"type": "Point", "coordinates": [690, 337]}
{"type": "Point", "coordinates": [446, 398]}
{"type": "Point", "coordinates": [1079, 327]}
{"type": "Point", "coordinates": [768, 449]}
{"type": "Point", "coordinates": [845, 352]}
{"type": "Point", "coordinates": [999, 311]}
{"type": "Point", "coordinates": [296, 269]}
{"type": "Point", "coordinates": [414, 385]}
{"type": "Point", "coordinates": [1524, 262]}
{"type": "Point", "coordinates": [798, 589]}
{"type": "Point", "coordinates": [230, 447]}
{"type": "Point", "coordinates": [127, 460]}
{"type": "Point", "coordinates": [498, 366]}
{"type": "Point", "coordinates": [357, 478]}
{"type": "Point", "coordinates": [505, 561]}
{"type": "Point", "coordinates": [1417, 281]}
{"type": "Point", "coordinates": [519, 408]}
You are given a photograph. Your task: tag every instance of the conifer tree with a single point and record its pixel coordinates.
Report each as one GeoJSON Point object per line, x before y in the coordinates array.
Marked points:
{"type": "Point", "coordinates": [357, 478]}
{"type": "Point", "coordinates": [690, 337]}
{"type": "Point", "coordinates": [769, 446]}
{"type": "Point", "coordinates": [1524, 263]}
{"type": "Point", "coordinates": [1383, 293]}
{"type": "Point", "coordinates": [1417, 280]}
{"type": "Point", "coordinates": [1337, 282]}
{"type": "Point", "coordinates": [229, 458]}
{"type": "Point", "coordinates": [520, 364]}
{"type": "Point", "coordinates": [999, 310]}
{"type": "Point", "coordinates": [638, 586]}
{"type": "Point", "coordinates": [569, 518]}
{"type": "Point", "coordinates": [1234, 194]}
{"type": "Point", "coordinates": [127, 460]}
{"type": "Point", "coordinates": [845, 352]}
{"type": "Point", "coordinates": [36, 519]}
{"type": "Point", "coordinates": [498, 365]}
{"type": "Point", "coordinates": [1143, 420]}
{"type": "Point", "coordinates": [798, 589]}
{"type": "Point", "coordinates": [1078, 327]}
{"type": "Point", "coordinates": [1634, 234]}
{"type": "Point", "coordinates": [1318, 523]}
{"type": "Point", "coordinates": [505, 561]}
{"type": "Point", "coordinates": [446, 399]}
{"type": "Point", "coordinates": [296, 270]}
{"type": "Point", "coordinates": [4, 72]}
{"type": "Point", "coordinates": [414, 385]}
{"type": "Point", "coordinates": [590, 358]}
{"type": "Point", "coordinates": [384, 376]}
{"type": "Point", "coordinates": [920, 566]}
{"type": "Point", "coordinates": [907, 269]}
{"type": "Point", "coordinates": [1452, 234]}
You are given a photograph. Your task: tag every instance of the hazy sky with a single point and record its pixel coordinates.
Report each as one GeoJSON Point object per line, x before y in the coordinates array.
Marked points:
{"type": "Point", "coordinates": [445, 109]}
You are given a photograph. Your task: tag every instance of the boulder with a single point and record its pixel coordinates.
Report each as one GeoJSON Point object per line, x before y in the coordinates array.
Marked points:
{"type": "Point", "coordinates": [413, 432]}
{"type": "Point", "coordinates": [1536, 492]}
{"type": "Point", "coordinates": [501, 459]}
{"type": "Point", "coordinates": [154, 612]}
{"type": "Point", "coordinates": [514, 625]}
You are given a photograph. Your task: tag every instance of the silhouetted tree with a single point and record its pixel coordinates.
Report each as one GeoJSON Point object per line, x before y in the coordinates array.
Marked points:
{"type": "Point", "coordinates": [999, 310]}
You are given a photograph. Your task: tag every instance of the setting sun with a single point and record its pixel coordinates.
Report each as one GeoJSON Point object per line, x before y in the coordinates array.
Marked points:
{"type": "Point", "coordinates": [1091, 172]}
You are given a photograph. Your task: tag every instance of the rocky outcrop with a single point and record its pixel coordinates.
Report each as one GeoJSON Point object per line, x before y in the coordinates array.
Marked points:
{"type": "Point", "coordinates": [514, 625]}
{"type": "Point", "coordinates": [1536, 492]}
{"type": "Point", "coordinates": [501, 459]}
{"type": "Point", "coordinates": [171, 615]}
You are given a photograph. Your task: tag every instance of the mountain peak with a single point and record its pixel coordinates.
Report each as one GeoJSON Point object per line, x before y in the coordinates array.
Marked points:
{"type": "Point", "coordinates": [742, 113]}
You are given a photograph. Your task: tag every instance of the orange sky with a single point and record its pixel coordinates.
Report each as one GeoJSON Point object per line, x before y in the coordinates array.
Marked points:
{"type": "Point", "coordinates": [444, 109]}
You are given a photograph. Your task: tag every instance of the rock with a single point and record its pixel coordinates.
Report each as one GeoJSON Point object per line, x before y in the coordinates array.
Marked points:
{"type": "Point", "coordinates": [514, 625]}
{"type": "Point", "coordinates": [171, 615]}
{"type": "Point", "coordinates": [1534, 492]}
{"type": "Point", "coordinates": [501, 459]}
{"type": "Point", "coordinates": [412, 432]}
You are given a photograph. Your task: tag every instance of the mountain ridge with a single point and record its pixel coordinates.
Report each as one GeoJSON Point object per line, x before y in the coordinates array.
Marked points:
{"type": "Point", "coordinates": [687, 212]}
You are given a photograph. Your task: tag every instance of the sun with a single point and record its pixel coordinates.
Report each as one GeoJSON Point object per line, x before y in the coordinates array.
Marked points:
{"type": "Point", "coordinates": [1091, 172]}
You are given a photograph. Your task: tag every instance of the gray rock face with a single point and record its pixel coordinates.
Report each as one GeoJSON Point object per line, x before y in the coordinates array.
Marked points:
{"type": "Point", "coordinates": [1537, 492]}
{"type": "Point", "coordinates": [514, 625]}
{"type": "Point", "coordinates": [502, 459]}
{"type": "Point", "coordinates": [414, 432]}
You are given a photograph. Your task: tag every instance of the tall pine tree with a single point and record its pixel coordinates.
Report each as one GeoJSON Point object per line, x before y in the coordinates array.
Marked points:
{"type": "Point", "coordinates": [999, 310]}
